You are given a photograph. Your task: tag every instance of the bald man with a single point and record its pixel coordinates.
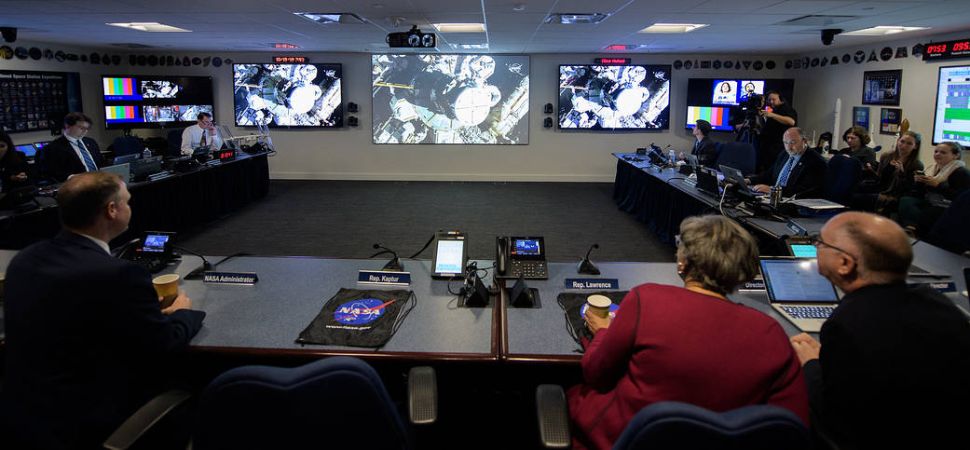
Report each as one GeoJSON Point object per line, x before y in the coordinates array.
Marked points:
{"type": "Point", "coordinates": [893, 367]}
{"type": "Point", "coordinates": [798, 171]}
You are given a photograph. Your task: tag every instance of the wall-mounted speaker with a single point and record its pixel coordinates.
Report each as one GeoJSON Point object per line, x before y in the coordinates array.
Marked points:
{"type": "Point", "coordinates": [547, 122]}
{"type": "Point", "coordinates": [547, 109]}
{"type": "Point", "coordinates": [351, 107]}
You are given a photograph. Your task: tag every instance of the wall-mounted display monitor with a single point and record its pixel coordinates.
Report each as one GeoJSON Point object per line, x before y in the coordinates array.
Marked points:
{"type": "Point", "coordinates": [724, 102]}
{"type": "Point", "coordinates": [31, 100]}
{"type": "Point", "coordinates": [630, 97]}
{"type": "Point", "coordinates": [154, 101]}
{"type": "Point", "coordinates": [952, 121]}
{"type": "Point", "coordinates": [288, 95]}
{"type": "Point", "coordinates": [450, 99]}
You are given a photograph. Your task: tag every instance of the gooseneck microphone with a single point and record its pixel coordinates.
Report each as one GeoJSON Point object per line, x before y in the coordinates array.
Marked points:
{"type": "Point", "coordinates": [197, 272]}
{"type": "Point", "coordinates": [586, 266]}
{"type": "Point", "coordinates": [394, 265]}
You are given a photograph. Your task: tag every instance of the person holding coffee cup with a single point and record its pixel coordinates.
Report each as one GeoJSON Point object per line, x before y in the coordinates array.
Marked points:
{"type": "Point", "coordinates": [87, 341]}
{"type": "Point", "coordinates": [686, 343]}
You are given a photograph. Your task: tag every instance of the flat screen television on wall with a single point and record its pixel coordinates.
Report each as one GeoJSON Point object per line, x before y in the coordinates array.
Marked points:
{"type": "Point", "coordinates": [952, 120]}
{"type": "Point", "coordinates": [450, 99]}
{"type": "Point", "coordinates": [629, 97]}
{"type": "Point", "coordinates": [154, 101]}
{"type": "Point", "coordinates": [288, 95]}
{"type": "Point", "coordinates": [725, 102]}
{"type": "Point", "coordinates": [32, 100]}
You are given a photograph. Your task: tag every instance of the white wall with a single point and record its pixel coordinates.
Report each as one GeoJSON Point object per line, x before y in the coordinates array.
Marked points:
{"type": "Point", "coordinates": [349, 154]}
{"type": "Point", "coordinates": [817, 88]}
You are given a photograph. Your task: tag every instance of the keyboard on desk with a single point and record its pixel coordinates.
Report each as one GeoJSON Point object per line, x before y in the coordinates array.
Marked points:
{"type": "Point", "coordinates": [809, 311]}
{"type": "Point", "coordinates": [530, 270]}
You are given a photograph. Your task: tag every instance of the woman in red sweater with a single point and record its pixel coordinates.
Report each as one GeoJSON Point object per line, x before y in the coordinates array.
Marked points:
{"type": "Point", "coordinates": [688, 344]}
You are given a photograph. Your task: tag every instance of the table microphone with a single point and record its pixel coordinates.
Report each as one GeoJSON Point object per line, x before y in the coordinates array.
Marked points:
{"type": "Point", "coordinates": [586, 266]}
{"type": "Point", "coordinates": [394, 265]}
{"type": "Point", "coordinates": [197, 272]}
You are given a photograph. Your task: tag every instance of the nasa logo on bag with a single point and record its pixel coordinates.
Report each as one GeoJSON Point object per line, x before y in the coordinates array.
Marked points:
{"type": "Point", "coordinates": [360, 312]}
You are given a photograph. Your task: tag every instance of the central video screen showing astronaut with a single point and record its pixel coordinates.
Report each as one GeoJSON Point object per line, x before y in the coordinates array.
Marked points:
{"type": "Point", "coordinates": [634, 97]}
{"type": "Point", "coordinates": [450, 99]}
{"type": "Point", "coordinates": [288, 95]}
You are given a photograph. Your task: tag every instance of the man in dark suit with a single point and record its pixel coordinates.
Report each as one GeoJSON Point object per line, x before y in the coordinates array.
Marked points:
{"type": "Point", "coordinates": [704, 148]}
{"type": "Point", "coordinates": [798, 170]}
{"type": "Point", "coordinates": [87, 341]}
{"type": "Point", "coordinates": [72, 152]}
{"type": "Point", "coordinates": [892, 369]}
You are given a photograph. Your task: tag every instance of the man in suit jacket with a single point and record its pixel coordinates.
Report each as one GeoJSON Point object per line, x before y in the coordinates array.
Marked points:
{"type": "Point", "coordinates": [704, 148]}
{"type": "Point", "coordinates": [892, 369]}
{"type": "Point", "coordinates": [798, 170]}
{"type": "Point", "coordinates": [71, 153]}
{"type": "Point", "coordinates": [87, 341]}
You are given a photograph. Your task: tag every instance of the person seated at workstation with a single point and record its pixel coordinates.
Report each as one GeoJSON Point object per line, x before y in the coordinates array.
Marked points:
{"type": "Point", "coordinates": [942, 182]}
{"type": "Point", "coordinates": [71, 153]}
{"type": "Point", "coordinates": [858, 140]}
{"type": "Point", "coordinates": [690, 344]}
{"type": "Point", "coordinates": [704, 148]}
{"type": "Point", "coordinates": [202, 134]}
{"type": "Point", "coordinates": [893, 178]}
{"type": "Point", "coordinates": [13, 165]}
{"type": "Point", "coordinates": [798, 171]}
{"type": "Point", "coordinates": [87, 340]}
{"type": "Point", "coordinates": [891, 370]}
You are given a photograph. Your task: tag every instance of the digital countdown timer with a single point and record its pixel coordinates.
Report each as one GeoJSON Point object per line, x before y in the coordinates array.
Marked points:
{"type": "Point", "coordinates": [947, 50]}
{"type": "Point", "coordinates": [613, 61]}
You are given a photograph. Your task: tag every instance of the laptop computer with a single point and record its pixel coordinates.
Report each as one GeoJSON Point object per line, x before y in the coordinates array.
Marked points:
{"type": "Point", "coordinates": [803, 248]}
{"type": "Point", "coordinates": [736, 177]}
{"type": "Point", "coordinates": [798, 292]}
{"type": "Point", "coordinates": [707, 182]}
{"type": "Point", "coordinates": [122, 170]}
{"type": "Point", "coordinates": [28, 150]}
{"type": "Point", "coordinates": [126, 158]}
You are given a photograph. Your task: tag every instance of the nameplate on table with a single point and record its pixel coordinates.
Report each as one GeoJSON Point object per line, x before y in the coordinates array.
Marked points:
{"type": "Point", "coordinates": [753, 285]}
{"type": "Point", "coordinates": [213, 162]}
{"type": "Point", "coordinates": [940, 286]}
{"type": "Point", "coordinates": [244, 278]}
{"type": "Point", "coordinates": [592, 283]}
{"type": "Point", "coordinates": [159, 176]}
{"type": "Point", "coordinates": [796, 228]}
{"type": "Point", "coordinates": [384, 278]}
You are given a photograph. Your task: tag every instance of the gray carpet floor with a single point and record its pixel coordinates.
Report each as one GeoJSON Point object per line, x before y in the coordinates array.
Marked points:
{"type": "Point", "coordinates": [344, 219]}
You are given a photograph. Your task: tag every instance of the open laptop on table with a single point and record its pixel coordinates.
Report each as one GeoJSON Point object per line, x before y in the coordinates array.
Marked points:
{"type": "Point", "coordinates": [736, 177]}
{"type": "Point", "coordinates": [798, 292]}
{"type": "Point", "coordinates": [802, 248]}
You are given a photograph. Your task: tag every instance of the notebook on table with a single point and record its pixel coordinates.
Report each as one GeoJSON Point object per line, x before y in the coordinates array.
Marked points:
{"type": "Point", "coordinates": [798, 292]}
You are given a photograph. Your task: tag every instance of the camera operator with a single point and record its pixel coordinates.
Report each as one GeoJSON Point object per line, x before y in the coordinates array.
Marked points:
{"type": "Point", "coordinates": [778, 118]}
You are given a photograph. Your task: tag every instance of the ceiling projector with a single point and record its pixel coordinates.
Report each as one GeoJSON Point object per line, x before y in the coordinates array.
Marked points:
{"type": "Point", "coordinates": [412, 38]}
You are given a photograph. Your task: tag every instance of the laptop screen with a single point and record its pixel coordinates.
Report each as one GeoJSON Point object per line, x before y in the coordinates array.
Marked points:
{"type": "Point", "coordinates": [28, 149]}
{"type": "Point", "coordinates": [802, 250]}
{"type": "Point", "coordinates": [796, 280]}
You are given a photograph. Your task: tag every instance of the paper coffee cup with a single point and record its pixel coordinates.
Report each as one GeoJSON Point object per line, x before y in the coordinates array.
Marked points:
{"type": "Point", "coordinates": [167, 287]}
{"type": "Point", "coordinates": [599, 305]}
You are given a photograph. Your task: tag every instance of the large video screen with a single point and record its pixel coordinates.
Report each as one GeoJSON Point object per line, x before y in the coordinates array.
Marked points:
{"type": "Point", "coordinates": [726, 102]}
{"type": "Point", "coordinates": [634, 97]}
{"type": "Point", "coordinates": [154, 101]}
{"type": "Point", "coordinates": [288, 95]}
{"type": "Point", "coordinates": [450, 99]}
{"type": "Point", "coordinates": [952, 121]}
{"type": "Point", "coordinates": [31, 100]}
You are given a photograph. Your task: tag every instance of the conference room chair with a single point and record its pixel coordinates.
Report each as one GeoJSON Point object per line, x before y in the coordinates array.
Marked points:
{"type": "Point", "coordinates": [841, 177]}
{"type": "Point", "coordinates": [677, 425]}
{"type": "Point", "coordinates": [740, 155]}
{"type": "Point", "coordinates": [127, 145]}
{"type": "Point", "coordinates": [338, 402]}
{"type": "Point", "coordinates": [950, 230]}
{"type": "Point", "coordinates": [174, 143]}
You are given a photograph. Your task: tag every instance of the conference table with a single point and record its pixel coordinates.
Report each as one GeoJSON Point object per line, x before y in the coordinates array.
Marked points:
{"type": "Point", "coordinates": [176, 203]}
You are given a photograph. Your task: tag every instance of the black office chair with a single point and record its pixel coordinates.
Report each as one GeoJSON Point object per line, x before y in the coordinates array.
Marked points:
{"type": "Point", "coordinates": [174, 143]}
{"type": "Point", "coordinates": [950, 230]}
{"type": "Point", "coordinates": [677, 425]}
{"type": "Point", "coordinates": [127, 145]}
{"type": "Point", "coordinates": [841, 177]}
{"type": "Point", "coordinates": [740, 155]}
{"type": "Point", "coordinates": [338, 402]}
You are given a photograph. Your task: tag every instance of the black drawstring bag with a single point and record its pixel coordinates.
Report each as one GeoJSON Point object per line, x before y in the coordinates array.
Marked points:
{"type": "Point", "coordinates": [572, 304]}
{"type": "Point", "coordinates": [357, 318]}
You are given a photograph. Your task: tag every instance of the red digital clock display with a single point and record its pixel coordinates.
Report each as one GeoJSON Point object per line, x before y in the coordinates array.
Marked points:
{"type": "Point", "coordinates": [947, 50]}
{"type": "Point", "coordinates": [290, 60]}
{"type": "Point", "coordinates": [613, 61]}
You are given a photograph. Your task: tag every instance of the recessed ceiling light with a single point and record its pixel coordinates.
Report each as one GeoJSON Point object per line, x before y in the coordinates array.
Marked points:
{"type": "Point", "coordinates": [575, 18]}
{"type": "Point", "coordinates": [882, 31]}
{"type": "Point", "coordinates": [459, 27]}
{"type": "Point", "coordinates": [150, 27]}
{"type": "Point", "coordinates": [672, 27]}
{"type": "Point", "coordinates": [332, 18]}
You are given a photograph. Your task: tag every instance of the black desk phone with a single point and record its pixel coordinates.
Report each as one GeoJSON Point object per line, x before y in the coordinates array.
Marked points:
{"type": "Point", "coordinates": [521, 257]}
